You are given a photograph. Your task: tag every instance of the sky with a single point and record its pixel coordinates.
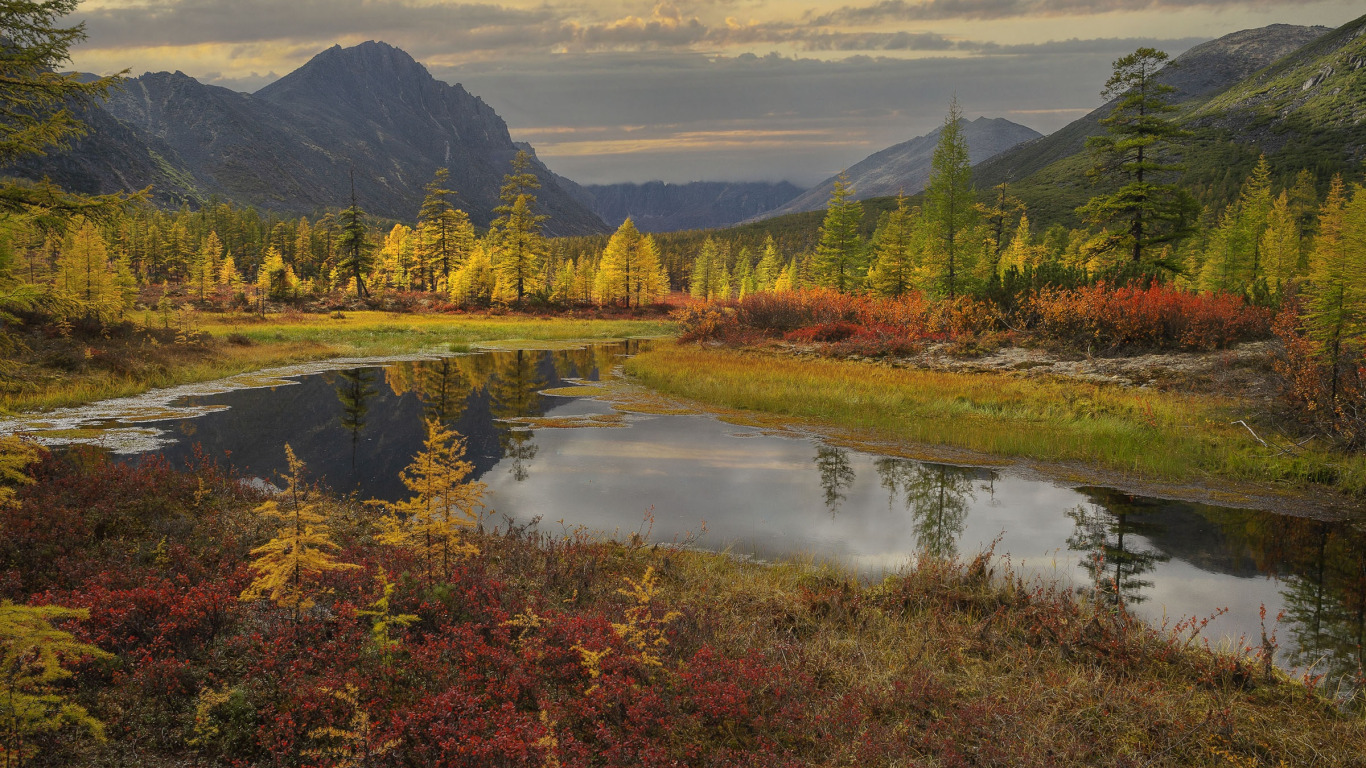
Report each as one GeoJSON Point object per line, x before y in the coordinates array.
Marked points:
{"type": "Point", "coordinates": [721, 90]}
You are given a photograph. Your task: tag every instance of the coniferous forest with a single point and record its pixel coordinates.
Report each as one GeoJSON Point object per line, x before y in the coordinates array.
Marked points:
{"type": "Point", "coordinates": [1182, 359]}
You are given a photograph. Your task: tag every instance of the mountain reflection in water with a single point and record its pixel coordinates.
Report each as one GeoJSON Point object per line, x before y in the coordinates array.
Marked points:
{"type": "Point", "coordinates": [771, 496]}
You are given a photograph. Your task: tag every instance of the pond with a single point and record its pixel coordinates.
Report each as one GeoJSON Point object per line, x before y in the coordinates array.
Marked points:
{"type": "Point", "coordinates": [757, 493]}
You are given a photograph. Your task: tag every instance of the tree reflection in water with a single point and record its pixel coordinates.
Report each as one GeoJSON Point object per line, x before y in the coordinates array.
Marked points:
{"type": "Point", "coordinates": [1107, 536]}
{"type": "Point", "coordinates": [837, 475]}
{"type": "Point", "coordinates": [937, 496]}
{"type": "Point", "coordinates": [514, 391]}
{"type": "Point", "coordinates": [1322, 569]}
{"type": "Point", "coordinates": [355, 388]}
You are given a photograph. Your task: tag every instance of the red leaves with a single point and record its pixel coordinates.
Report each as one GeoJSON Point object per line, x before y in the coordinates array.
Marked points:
{"type": "Point", "coordinates": [1109, 317]}
{"type": "Point", "coordinates": [1102, 317]}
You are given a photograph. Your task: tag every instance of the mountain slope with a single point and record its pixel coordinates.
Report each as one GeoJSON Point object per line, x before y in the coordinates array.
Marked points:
{"type": "Point", "coordinates": [1197, 74]}
{"type": "Point", "coordinates": [1049, 173]}
{"type": "Point", "coordinates": [291, 147]}
{"type": "Point", "coordinates": [906, 166]}
{"type": "Point", "coordinates": [659, 207]}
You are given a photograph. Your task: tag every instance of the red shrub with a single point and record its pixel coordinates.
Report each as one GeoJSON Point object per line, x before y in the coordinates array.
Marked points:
{"type": "Point", "coordinates": [1155, 317]}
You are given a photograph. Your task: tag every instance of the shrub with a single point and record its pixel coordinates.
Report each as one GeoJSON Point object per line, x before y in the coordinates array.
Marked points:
{"type": "Point", "coordinates": [1153, 317]}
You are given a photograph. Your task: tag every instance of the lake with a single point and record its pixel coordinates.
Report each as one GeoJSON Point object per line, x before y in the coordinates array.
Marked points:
{"type": "Point", "coordinates": [755, 493]}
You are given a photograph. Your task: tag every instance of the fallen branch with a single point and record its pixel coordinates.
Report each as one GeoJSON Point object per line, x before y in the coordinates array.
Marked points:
{"type": "Point", "coordinates": [1254, 434]}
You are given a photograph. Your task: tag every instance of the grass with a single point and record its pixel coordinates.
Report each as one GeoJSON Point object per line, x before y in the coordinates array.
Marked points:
{"type": "Point", "coordinates": [383, 333]}
{"type": "Point", "coordinates": [1048, 678]}
{"type": "Point", "coordinates": [1146, 434]}
{"type": "Point", "coordinates": [631, 653]}
{"type": "Point", "coordinates": [61, 372]}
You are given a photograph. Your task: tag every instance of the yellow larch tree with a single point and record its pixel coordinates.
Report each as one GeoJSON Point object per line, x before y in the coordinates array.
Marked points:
{"type": "Point", "coordinates": [630, 269]}
{"type": "Point", "coordinates": [443, 505]}
{"type": "Point", "coordinates": [31, 656]}
{"type": "Point", "coordinates": [85, 276]}
{"type": "Point", "coordinates": [286, 567]}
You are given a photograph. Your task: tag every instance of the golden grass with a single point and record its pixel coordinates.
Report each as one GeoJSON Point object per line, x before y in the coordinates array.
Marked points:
{"type": "Point", "coordinates": [1146, 434]}
{"type": "Point", "coordinates": [287, 339]}
{"type": "Point", "coordinates": [385, 333]}
{"type": "Point", "coordinates": [1051, 679]}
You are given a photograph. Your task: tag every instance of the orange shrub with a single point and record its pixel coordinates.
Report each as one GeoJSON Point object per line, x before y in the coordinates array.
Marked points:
{"type": "Point", "coordinates": [1155, 317]}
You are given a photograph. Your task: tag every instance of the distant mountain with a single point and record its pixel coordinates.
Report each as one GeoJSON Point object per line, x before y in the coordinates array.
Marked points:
{"type": "Point", "coordinates": [1048, 173]}
{"type": "Point", "coordinates": [291, 146]}
{"type": "Point", "coordinates": [659, 207]}
{"type": "Point", "coordinates": [906, 166]}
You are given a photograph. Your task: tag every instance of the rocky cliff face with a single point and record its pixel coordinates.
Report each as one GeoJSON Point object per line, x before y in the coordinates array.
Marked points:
{"type": "Point", "coordinates": [905, 168]}
{"type": "Point", "coordinates": [292, 146]}
{"type": "Point", "coordinates": [659, 207]}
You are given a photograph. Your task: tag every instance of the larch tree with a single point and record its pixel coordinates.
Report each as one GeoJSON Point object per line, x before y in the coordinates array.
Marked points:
{"type": "Point", "coordinates": [475, 281]}
{"type": "Point", "coordinates": [1131, 154]}
{"type": "Point", "coordinates": [895, 254]}
{"type": "Point", "coordinates": [353, 243]}
{"type": "Point", "coordinates": [770, 266]}
{"type": "Point", "coordinates": [275, 278]}
{"type": "Point", "coordinates": [16, 455]}
{"type": "Point", "coordinates": [32, 653]}
{"type": "Point", "coordinates": [1233, 261]}
{"type": "Point", "coordinates": [84, 276]}
{"type": "Point", "coordinates": [1281, 246]}
{"type": "Point", "coordinates": [950, 204]}
{"type": "Point", "coordinates": [1023, 254]}
{"type": "Point", "coordinates": [443, 504]}
{"type": "Point", "coordinates": [839, 253]}
{"type": "Point", "coordinates": [521, 246]}
{"type": "Point", "coordinates": [629, 269]}
{"type": "Point", "coordinates": [37, 103]}
{"type": "Point", "coordinates": [998, 215]}
{"type": "Point", "coordinates": [1336, 289]}
{"type": "Point", "coordinates": [287, 567]}
{"type": "Point", "coordinates": [204, 275]}
{"type": "Point", "coordinates": [705, 281]}
{"type": "Point", "coordinates": [445, 236]}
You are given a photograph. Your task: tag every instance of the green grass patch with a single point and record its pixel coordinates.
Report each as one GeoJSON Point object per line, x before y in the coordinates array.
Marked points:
{"type": "Point", "coordinates": [382, 333]}
{"type": "Point", "coordinates": [1151, 435]}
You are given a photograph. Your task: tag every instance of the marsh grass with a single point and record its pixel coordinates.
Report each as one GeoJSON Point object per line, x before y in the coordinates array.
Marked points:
{"type": "Point", "coordinates": [99, 368]}
{"type": "Point", "coordinates": [369, 333]}
{"type": "Point", "coordinates": [1146, 434]}
{"type": "Point", "coordinates": [956, 662]}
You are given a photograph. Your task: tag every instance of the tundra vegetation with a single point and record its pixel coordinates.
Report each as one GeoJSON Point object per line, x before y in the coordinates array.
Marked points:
{"type": "Point", "coordinates": [154, 615]}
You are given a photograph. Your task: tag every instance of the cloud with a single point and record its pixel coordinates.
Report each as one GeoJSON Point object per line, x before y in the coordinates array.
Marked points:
{"type": "Point", "coordinates": [193, 22]}
{"type": "Point", "coordinates": [938, 10]}
{"type": "Point", "coordinates": [606, 117]}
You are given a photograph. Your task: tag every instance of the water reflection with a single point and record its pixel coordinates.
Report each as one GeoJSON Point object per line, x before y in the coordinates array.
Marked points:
{"type": "Point", "coordinates": [1113, 552]}
{"type": "Point", "coordinates": [937, 496]}
{"type": "Point", "coordinates": [836, 475]}
{"type": "Point", "coordinates": [515, 388]}
{"type": "Point", "coordinates": [770, 496]}
{"type": "Point", "coordinates": [355, 388]}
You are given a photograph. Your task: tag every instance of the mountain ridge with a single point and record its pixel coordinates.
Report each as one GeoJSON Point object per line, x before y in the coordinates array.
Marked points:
{"type": "Point", "coordinates": [291, 146]}
{"type": "Point", "coordinates": [656, 206]}
{"type": "Point", "coordinates": [905, 167]}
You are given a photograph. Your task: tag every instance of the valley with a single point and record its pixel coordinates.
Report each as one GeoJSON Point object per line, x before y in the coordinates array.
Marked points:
{"type": "Point", "coordinates": [338, 430]}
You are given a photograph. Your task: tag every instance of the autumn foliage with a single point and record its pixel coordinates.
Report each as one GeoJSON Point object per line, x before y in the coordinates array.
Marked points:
{"type": "Point", "coordinates": [1102, 316]}
{"type": "Point", "coordinates": [535, 650]}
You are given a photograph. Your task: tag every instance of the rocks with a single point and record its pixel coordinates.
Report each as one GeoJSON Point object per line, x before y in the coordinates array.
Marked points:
{"type": "Point", "coordinates": [1244, 370]}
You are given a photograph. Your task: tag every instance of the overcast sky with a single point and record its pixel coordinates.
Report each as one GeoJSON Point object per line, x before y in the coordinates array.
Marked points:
{"type": "Point", "coordinates": [618, 90]}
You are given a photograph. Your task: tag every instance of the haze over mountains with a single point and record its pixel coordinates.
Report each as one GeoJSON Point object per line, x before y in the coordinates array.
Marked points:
{"type": "Point", "coordinates": [1296, 93]}
{"type": "Point", "coordinates": [905, 168]}
{"type": "Point", "coordinates": [659, 207]}
{"type": "Point", "coordinates": [290, 147]}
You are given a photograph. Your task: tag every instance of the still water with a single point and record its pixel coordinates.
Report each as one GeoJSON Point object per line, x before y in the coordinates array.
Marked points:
{"type": "Point", "coordinates": [769, 496]}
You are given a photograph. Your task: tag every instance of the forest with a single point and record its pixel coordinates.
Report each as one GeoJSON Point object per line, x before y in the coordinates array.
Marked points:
{"type": "Point", "coordinates": [165, 615]}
